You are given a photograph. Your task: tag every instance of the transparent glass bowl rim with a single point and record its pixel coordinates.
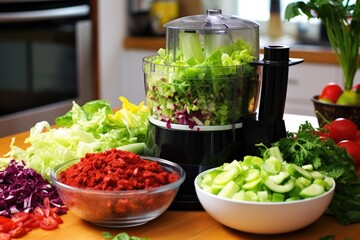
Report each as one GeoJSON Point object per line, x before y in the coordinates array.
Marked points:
{"type": "Point", "coordinates": [125, 193]}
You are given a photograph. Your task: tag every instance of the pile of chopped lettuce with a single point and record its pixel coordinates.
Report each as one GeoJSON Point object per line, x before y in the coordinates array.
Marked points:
{"type": "Point", "coordinates": [202, 85]}
{"type": "Point", "coordinates": [94, 127]}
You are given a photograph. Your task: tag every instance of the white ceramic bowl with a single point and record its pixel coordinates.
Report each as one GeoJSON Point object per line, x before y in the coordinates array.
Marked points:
{"type": "Point", "coordinates": [263, 217]}
{"type": "Point", "coordinates": [119, 208]}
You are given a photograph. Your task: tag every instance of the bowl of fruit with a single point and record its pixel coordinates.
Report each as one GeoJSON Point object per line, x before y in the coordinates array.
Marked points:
{"type": "Point", "coordinates": [333, 103]}
{"type": "Point", "coordinates": [267, 196]}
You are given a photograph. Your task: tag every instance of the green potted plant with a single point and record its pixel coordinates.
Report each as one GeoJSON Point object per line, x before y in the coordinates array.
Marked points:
{"type": "Point", "coordinates": [342, 23]}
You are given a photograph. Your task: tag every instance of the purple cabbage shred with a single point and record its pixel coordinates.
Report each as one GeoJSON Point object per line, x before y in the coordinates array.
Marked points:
{"type": "Point", "coordinates": [22, 189]}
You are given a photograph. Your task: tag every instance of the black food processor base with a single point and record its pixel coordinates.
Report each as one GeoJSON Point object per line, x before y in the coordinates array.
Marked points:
{"type": "Point", "coordinates": [195, 151]}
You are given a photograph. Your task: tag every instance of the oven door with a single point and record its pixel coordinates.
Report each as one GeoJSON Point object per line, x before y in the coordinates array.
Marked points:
{"type": "Point", "coordinates": [45, 61]}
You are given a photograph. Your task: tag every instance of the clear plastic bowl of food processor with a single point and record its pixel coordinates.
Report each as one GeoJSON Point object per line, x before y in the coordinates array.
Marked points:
{"type": "Point", "coordinates": [204, 77]}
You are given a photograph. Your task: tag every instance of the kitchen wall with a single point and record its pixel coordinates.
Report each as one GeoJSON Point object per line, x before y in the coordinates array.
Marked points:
{"type": "Point", "coordinates": [120, 73]}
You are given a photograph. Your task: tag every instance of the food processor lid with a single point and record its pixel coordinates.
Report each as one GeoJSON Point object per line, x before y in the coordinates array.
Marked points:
{"type": "Point", "coordinates": [213, 19]}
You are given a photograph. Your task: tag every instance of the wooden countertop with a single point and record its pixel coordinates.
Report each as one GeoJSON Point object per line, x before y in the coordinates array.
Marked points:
{"type": "Point", "coordinates": [310, 54]}
{"type": "Point", "coordinates": [179, 224]}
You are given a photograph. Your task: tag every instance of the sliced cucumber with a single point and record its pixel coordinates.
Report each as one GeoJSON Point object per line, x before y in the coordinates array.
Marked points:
{"type": "Point", "coordinates": [252, 174]}
{"type": "Point", "coordinates": [317, 175]}
{"type": "Point", "coordinates": [226, 176]}
{"type": "Point", "coordinates": [240, 195]}
{"type": "Point", "coordinates": [251, 196]}
{"type": "Point", "coordinates": [272, 165]}
{"type": "Point", "coordinates": [280, 188]}
{"type": "Point", "coordinates": [263, 196]}
{"type": "Point", "coordinates": [278, 197]}
{"type": "Point", "coordinates": [209, 178]}
{"type": "Point", "coordinates": [302, 182]}
{"type": "Point", "coordinates": [229, 190]}
{"type": "Point", "coordinates": [308, 167]}
{"type": "Point", "coordinates": [251, 185]}
{"type": "Point", "coordinates": [312, 191]}
{"type": "Point", "coordinates": [255, 179]}
{"type": "Point", "coordinates": [329, 182]}
{"type": "Point", "coordinates": [279, 178]}
{"type": "Point", "coordinates": [297, 172]}
{"type": "Point", "coordinates": [275, 152]}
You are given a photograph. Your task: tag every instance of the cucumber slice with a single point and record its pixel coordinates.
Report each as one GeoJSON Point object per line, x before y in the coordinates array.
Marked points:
{"type": "Point", "coordinates": [251, 196]}
{"type": "Point", "coordinates": [239, 180]}
{"type": "Point", "coordinates": [229, 190]}
{"type": "Point", "coordinates": [279, 178]}
{"type": "Point", "coordinates": [317, 175]}
{"type": "Point", "coordinates": [312, 191]}
{"type": "Point", "coordinates": [239, 195]}
{"type": "Point", "coordinates": [209, 178]}
{"type": "Point", "coordinates": [272, 165]}
{"type": "Point", "coordinates": [329, 182]}
{"type": "Point", "coordinates": [284, 188]}
{"type": "Point", "coordinates": [253, 162]}
{"type": "Point", "coordinates": [275, 152]}
{"type": "Point", "coordinates": [297, 172]}
{"type": "Point", "coordinates": [308, 167]}
{"type": "Point", "coordinates": [290, 199]}
{"type": "Point", "coordinates": [303, 182]}
{"type": "Point", "coordinates": [278, 197]}
{"type": "Point", "coordinates": [234, 163]}
{"type": "Point", "coordinates": [252, 174]}
{"type": "Point", "coordinates": [226, 176]}
{"type": "Point", "coordinates": [251, 185]}
{"type": "Point", "coordinates": [263, 196]}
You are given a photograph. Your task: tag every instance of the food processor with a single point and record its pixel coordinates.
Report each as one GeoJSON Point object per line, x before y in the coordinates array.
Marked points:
{"type": "Point", "coordinates": [203, 91]}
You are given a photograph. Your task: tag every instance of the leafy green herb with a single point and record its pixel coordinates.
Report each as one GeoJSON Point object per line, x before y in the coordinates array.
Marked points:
{"type": "Point", "coordinates": [306, 148]}
{"type": "Point", "coordinates": [122, 236]}
{"type": "Point", "coordinates": [342, 22]}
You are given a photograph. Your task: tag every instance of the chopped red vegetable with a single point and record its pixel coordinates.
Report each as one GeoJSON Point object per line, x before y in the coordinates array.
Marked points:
{"type": "Point", "coordinates": [23, 222]}
{"type": "Point", "coordinates": [23, 189]}
{"type": "Point", "coordinates": [116, 170]}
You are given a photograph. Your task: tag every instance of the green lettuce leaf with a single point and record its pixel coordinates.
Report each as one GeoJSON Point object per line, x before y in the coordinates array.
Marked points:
{"type": "Point", "coordinates": [94, 127]}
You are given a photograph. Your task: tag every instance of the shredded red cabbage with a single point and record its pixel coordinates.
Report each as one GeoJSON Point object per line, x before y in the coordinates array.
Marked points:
{"type": "Point", "coordinates": [22, 189]}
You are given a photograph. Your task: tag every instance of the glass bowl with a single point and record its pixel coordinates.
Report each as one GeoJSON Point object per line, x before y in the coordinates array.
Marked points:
{"type": "Point", "coordinates": [119, 208]}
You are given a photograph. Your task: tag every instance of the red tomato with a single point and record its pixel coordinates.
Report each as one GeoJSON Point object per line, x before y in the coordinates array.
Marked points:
{"type": "Point", "coordinates": [39, 212]}
{"type": "Point", "coordinates": [5, 236]}
{"type": "Point", "coordinates": [32, 222]}
{"type": "Point", "coordinates": [4, 219]}
{"type": "Point", "coordinates": [57, 218]}
{"type": "Point", "coordinates": [5, 227]}
{"type": "Point", "coordinates": [17, 232]}
{"type": "Point", "coordinates": [342, 129]}
{"type": "Point", "coordinates": [48, 223]}
{"type": "Point", "coordinates": [19, 217]}
{"type": "Point", "coordinates": [356, 87]}
{"type": "Point", "coordinates": [331, 91]}
{"type": "Point", "coordinates": [352, 148]}
{"type": "Point", "coordinates": [357, 139]}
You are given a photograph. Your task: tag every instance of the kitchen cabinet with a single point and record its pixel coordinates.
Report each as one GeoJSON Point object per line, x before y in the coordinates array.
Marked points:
{"type": "Point", "coordinates": [305, 81]}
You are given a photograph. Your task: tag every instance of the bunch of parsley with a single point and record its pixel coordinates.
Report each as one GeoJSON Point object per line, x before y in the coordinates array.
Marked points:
{"type": "Point", "coordinates": [305, 147]}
